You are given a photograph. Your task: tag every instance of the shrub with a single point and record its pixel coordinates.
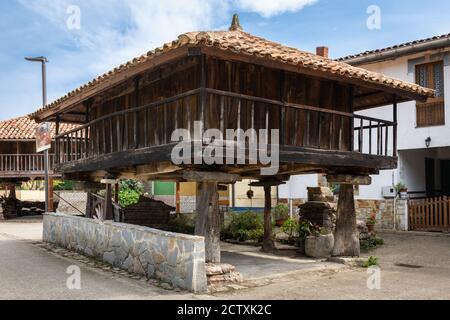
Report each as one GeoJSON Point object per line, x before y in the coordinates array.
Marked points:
{"type": "Point", "coordinates": [128, 197]}
{"type": "Point", "coordinates": [371, 262]}
{"type": "Point", "coordinates": [130, 192]}
{"type": "Point", "coordinates": [290, 227]}
{"type": "Point", "coordinates": [63, 185]}
{"type": "Point", "coordinates": [281, 212]}
{"type": "Point", "coordinates": [182, 223]}
{"type": "Point", "coordinates": [246, 226]}
{"type": "Point", "coordinates": [371, 244]}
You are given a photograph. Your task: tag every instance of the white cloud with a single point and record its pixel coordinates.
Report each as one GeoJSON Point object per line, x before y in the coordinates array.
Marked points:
{"type": "Point", "coordinates": [269, 8]}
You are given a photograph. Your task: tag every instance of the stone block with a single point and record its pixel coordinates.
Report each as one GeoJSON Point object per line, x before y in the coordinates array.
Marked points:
{"type": "Point", "coordinates": [319, 247]}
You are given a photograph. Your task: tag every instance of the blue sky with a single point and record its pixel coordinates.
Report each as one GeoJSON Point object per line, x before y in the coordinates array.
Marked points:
{"type": "Point", "coordinates": [114, 31]}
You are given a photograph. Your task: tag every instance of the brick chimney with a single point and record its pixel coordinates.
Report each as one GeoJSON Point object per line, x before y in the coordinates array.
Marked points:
{"type": "Point", "coordinates": [322, 51]}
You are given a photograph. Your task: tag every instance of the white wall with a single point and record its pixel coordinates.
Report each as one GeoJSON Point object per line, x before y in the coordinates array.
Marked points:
{"type": "Point", "coordinates": [410, 137]}
{"type": "Point", "coordinates": [297, 186]}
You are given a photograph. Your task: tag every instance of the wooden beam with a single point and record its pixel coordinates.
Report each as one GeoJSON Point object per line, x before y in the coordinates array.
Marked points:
{"type": "Point", "coordinates": [219, 177]}
{"type": "Point", "coordinates": [350, 180]}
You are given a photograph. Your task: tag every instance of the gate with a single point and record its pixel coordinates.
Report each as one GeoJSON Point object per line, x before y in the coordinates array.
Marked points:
{"type": "Point", "coordinates": [431, 214]}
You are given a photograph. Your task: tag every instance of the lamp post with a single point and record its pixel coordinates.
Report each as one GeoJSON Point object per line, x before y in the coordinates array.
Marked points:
{"type": "Point", "coordinates": [43, 61]}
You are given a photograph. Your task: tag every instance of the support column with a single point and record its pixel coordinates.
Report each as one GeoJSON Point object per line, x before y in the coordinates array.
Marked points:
{"type": "Point", "coordinates": [268, 242]}
{"type": "Point", "coordinates": [109, 214]}
{"type": "Point", "coordinates": [208, 223]}
{"type": "Point", "coordinates": [51, 205]}
{"type": "Point", "coordinates": [346, 236]}
{"type": "Point", "coordinates": [12, 191]}
{"type": "Point", "coordinates": [208, 219]}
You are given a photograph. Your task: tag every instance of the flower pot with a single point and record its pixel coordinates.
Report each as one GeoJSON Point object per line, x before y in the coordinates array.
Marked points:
{"type": "Point", "coordinates": [280, 222]}
{"type": "Point", "coordinates": [371, 228]}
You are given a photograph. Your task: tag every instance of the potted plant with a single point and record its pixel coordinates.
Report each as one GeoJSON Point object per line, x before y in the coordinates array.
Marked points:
{"type": "Point", "coordinates": [371, 221]}
{"type": "Point", "coordinates": [402, 190]}
{"type": "Point", "coordinates": [281, 214]}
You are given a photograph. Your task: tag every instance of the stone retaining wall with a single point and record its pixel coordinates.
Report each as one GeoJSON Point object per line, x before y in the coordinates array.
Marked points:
{"type": "Point", "coordinates": [384, 212]}
{"type": "Point", "coordinates": [173, 258]}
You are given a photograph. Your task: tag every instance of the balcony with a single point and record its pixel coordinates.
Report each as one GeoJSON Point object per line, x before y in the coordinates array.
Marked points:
{"type": "Point", "coordinates": [308, 135]}
{"type": "Point", "coordinates": [24, 166]}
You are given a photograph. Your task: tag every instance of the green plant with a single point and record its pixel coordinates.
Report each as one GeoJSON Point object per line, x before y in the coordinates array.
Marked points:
{"type": "Point", "coordinates": [290, 227]}
{"type": "Point", "coordinates": [371, 220]}
{"type": "Point", "coordinates": [246, 226]}
{"type": "Point", "coordinates": [399, 187]}
{"type": "Point", "coordinates": [371, 244]}
{"type": "Point", "coordinates": [371, 262]}
{"type": "Point", "coordinates": [63, 185]}
{"type": "Point", "coordinates": [281, 212]}
{"type": "Point", "coordinates": [304, 229]}
{"type": "Point", "coordinates": [128, 197]}
{"type": "Point", "coordinates": [130, 192]}
{"type": "Point", "coordinates": [182, 223]}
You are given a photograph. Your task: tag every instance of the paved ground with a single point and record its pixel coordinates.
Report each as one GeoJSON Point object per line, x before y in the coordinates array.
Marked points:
{"type": "Point", "coordinates": [412, 267]}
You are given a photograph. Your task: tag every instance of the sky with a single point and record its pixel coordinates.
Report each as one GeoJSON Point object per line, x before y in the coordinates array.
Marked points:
{"type": "Point", "coordinates": [84, 38]}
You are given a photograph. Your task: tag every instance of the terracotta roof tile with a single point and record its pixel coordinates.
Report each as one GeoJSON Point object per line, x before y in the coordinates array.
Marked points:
{"type": "Point", "coordinates": [246, 44]}
{"type": "Point", "coordinates": [24, 129]}
{"type": "Point", "coordinates": [398, 46]}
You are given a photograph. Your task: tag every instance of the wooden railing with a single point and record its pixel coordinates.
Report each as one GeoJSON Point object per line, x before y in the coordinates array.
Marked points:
{"type": "Point", "coordinates": [28, 163]}
{"type": "Point", "coordinates": [299, 125]}
{"type": "Point", "coordinates": [96, 208]}
{"type": "Point", "coordinates": [431, 214]}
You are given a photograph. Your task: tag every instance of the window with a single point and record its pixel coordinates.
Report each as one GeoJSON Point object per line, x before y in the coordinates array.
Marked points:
{"type": "Point", "coordinates": [431, 113]}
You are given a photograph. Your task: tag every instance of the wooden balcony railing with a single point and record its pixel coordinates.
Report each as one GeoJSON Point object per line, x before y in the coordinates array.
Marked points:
{"type": "Point", "coordinates": [26, 163]}
{"type": "Point", "coordinates": [299, 125]}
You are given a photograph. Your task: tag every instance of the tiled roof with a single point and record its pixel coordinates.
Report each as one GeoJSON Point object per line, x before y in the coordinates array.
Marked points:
{"type": "Point", "coordinates": [240, 42]}
{"type": "Point", "coordinates": [398, 46]}
{"type": "Point", "coordinates": [24, 129]}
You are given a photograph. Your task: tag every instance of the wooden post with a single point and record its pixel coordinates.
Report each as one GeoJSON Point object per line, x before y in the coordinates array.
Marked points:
{"type": "Point", "coordinates": [51, 205]}
{"type": "Point", "coordinates": [116, 193]}
{"type": "Point", "coordinates": [268, 243]}
{"type": "Point", "coordinates": [12, 191]}
{"type": "Point", "coordinates": [178, 198]}
{"type": "Point", "coordinates": [346, 238]}
{"type": "Point", "coordinates": [208, 223]}
{"type": "Point", "coordinates": [208, 219]}
{"type": "Point", "coordinates": [109, 214]}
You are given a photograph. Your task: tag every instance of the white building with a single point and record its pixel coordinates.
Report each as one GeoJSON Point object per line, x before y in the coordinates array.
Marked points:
{"type": "Point", "coordinates": [423, 128]}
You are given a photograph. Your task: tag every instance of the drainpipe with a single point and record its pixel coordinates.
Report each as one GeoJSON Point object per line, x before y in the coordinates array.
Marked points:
{"type": "Point", "coordinates": [395, 202]}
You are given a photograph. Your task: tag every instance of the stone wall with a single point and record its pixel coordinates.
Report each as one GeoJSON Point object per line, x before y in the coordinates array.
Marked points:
{"type": "Point", "coordinates": [173, 258]}
{"type": "Point", "coordinates": [384, 212]}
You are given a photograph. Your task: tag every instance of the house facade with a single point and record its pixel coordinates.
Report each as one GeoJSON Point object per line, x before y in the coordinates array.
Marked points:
{"type": "Point", "coordinates": [423, 138]}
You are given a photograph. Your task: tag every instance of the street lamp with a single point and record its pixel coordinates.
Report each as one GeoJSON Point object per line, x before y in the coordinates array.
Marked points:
{"type": "Point", "coordinates": [43, 61]}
